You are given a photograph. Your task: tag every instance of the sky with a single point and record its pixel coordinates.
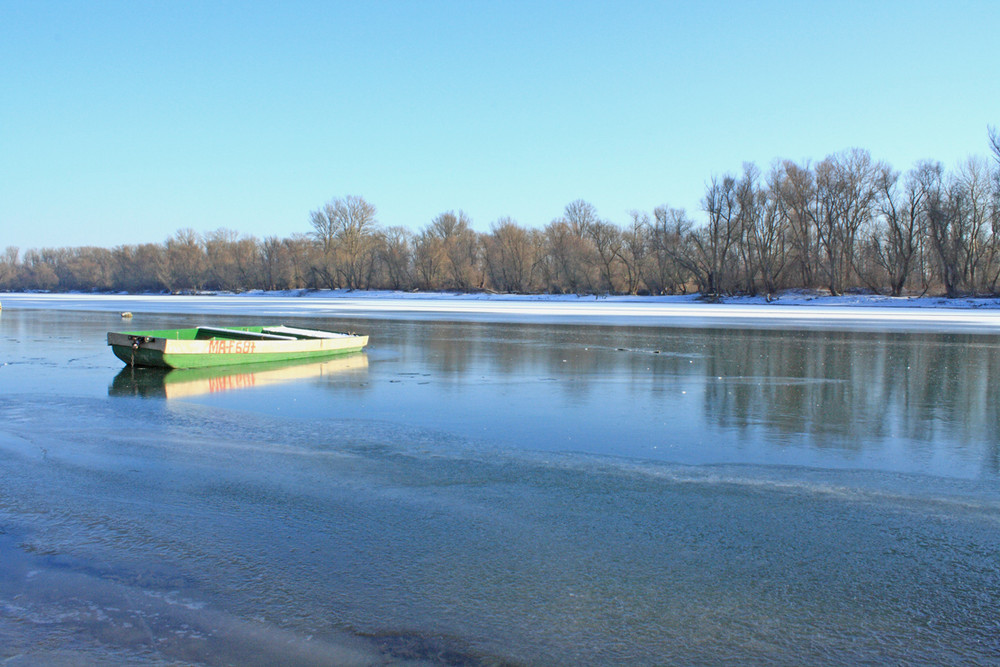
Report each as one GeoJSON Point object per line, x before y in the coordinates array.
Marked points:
{"type": "Point", "coordinates": [124, 122]}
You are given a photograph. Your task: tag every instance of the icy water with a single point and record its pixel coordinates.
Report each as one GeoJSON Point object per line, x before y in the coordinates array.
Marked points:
{"type": "Point", "coordinates": [500, 493]}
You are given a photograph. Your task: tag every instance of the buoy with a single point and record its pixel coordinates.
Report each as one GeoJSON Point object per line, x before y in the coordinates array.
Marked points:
{"type": "Point", "coordinates": [126, 315]}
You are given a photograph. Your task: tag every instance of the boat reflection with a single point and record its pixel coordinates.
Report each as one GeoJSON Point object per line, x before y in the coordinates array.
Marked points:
{"type": "Point", "coordinates": [181, 383]}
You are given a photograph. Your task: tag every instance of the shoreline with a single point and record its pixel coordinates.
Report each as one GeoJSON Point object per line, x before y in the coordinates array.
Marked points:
{"type": "Point", "coordinates": [786, 298]}
{"type": "Point", "coordinates": [788, 311]}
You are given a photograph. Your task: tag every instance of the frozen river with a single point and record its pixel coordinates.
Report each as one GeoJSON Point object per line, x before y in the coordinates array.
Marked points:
{"type": "Point", "coordinates": [501, 485]}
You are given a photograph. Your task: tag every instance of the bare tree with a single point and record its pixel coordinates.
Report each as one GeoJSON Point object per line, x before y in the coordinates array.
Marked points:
{"type": "Point", "coordinates": [573, 264]}
{"type": "Point", "coordinates": [580, 215]}
{"type": "Point", "coordinates": [140, 268]}
{"type": "Point", "coordinates": [86, 268]}
{"type": "Point", "coordinates": [794, 187]}
{"type": "Point", "coordinates": [607, 241]}
{"type": "Point", "coordinates": [10, 268]}
{"type": "Point", "coordinates": [672, 261]}
{"type": "Point", "coordinates": [510, 256]}
{"type": "Point", "coordinates": [346, 228]}
{"type": "Point", "coordinates": [567, 267]}
{"type": "Point", "coordinates": [981, 251]}
{"type": "Point", "coordinates": [38, 270]}
{"type": "Point", "coordinates": [994, 141]}
{"type": "Point", "coordinates": [845, 193]}
{"type": "Point", "coordinates": [396, 253]}
{"type": "Point", "coordinates": [451, 248]}
{"type": "Point", "coordinates": [274, 264]}
{"type": "Point", "coordinates": [714, 261]}
{"type": "Point", "coordinates": [941, 223]}
{"type": "Point", "coordinates": [896, 238]}
{"type": "Point", "coordinates": [186, 262]}
{"type": "Point", "coordinates": [220, 253]}
{"type": "Point", "coordinates": [994, 138]}
{"type": "Point", "coordinates": [428, 258]}
{"type": "Point", "coordinates": [635, 250]}
{"type": "Point", "coordinates": [766, 227]}
{"type": "Point", "coordinates": [300, 252]}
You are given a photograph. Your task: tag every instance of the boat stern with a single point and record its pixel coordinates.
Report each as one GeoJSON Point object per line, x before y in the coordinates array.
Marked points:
{"type": "Point", "coordinates": [137, 349]}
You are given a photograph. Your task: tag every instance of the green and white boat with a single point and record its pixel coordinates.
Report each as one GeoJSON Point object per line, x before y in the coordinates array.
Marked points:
{"type": "Point", "coordinates": [199, 347]}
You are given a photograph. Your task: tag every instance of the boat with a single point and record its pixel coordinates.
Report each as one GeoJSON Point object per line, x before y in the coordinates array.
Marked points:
{"type": "Point", "coordinates": [198, 347]}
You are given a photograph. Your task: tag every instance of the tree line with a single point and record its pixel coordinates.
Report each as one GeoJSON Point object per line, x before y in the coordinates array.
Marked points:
{"type": "Point", "coordinates": [848, 222]}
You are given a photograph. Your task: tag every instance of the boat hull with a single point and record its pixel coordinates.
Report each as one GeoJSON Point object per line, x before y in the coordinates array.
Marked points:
{"type": "Point", "coordinates": [203, 347]}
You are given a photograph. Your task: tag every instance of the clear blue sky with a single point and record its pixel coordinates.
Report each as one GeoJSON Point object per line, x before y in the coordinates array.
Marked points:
{"type": "Point", "coordinates": [122, 122]}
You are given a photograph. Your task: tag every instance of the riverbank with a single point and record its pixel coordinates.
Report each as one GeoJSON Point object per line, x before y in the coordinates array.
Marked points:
{"type": "Point", "coordinates": [789, 310]}
{"type": "Point", "coordinates": [786, 298]}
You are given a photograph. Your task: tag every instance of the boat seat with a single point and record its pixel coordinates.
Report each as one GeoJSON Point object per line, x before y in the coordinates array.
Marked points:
{"type": "Point", "coordinates": [304, 333]}
{"type": "Point", "coordinates": [243, 335]}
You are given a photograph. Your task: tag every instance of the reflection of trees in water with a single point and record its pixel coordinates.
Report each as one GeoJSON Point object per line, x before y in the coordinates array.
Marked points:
{"type": "Point", "coordinates": [853, 387]}
{"type": "Point", "coordinates": [449, 351]}
{"type": "Point", "coordinates": [836, 389]}
{"type": "Point", "coordinates": [576, 354]}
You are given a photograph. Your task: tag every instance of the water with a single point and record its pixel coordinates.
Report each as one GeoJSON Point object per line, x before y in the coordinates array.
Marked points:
{"type": "Point", "coordinates": [489, 493]}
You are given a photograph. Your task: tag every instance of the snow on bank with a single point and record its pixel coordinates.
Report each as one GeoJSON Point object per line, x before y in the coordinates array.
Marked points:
{"type": "Point", "coordinates": [790, 310]}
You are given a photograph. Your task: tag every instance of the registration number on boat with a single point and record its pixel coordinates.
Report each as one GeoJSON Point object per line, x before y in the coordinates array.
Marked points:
{"type": "Point", "coordinates": [232, 346]}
